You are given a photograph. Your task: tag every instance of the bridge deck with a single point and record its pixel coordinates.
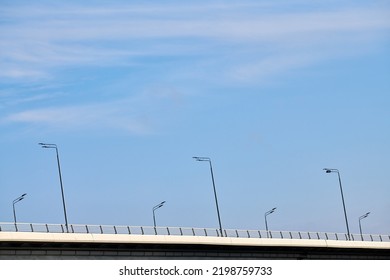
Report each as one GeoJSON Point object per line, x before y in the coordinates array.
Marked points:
{"type": "Point", "coordinates": [35, 245]}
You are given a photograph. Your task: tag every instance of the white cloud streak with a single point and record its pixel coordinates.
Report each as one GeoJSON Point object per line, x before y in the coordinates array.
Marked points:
{"type": "Point", "coordinates": [139, 115]}
{"type": "Point", "coordinates": [94, 117]}
{"type": "Point", "coordinates": [260, 28]}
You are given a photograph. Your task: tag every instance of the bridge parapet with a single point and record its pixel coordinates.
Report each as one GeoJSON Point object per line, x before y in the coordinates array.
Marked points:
{"type": "Point", "coordinates": [186, 231]}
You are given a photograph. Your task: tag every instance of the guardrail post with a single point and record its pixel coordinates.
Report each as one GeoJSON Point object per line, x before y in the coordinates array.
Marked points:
{"type": "Point", "coordinates": [281, 235]}
{"type": "Point", "coordinates": [168, 231]}
{"type": "Point", "coordinates": [217, 233]}
{"type": "Point", "coordinates": [86, 227]}
{"type": "Point", "coordinates": [337, 238]}
{"type": "Point", "coordinates": [300, 236]}
{"type": "Point", "coordinates": [115, 230]}
{"type": "Point", "coordinates": [247, 232]}
{"type": "Point", "coordinates": [71, 226]}
{"type": "Point", "coordinates": [326, 236]}
{"type": "Point", "coordinates": [290, 235]}
{"type": "Point", "coordinates": [47, 228]}
{"type": "Point", "coordinates": [181, 232]}
{"type": "Point", "coordinates": [32, 229]}
{"type": "Point", "coordinates": [142, 230]}
{"type": "Point", "coordinates": [270, 234]}
{"type": "Point", "coordinates": [101, 229]}
{"type": "Point", "coordinates": [237, 234]}
{"type": "Point", "coordinates": [205, 232]}
{"type": "Point", "coordinates": [155, 231]}
{"type": "Point", "coordinates": [309, 235]}
{"type": "Point", "coordinates": [318, 236]}
{"type": "Point", "coordinates": [128, 229]}
{"type": "Point", "coordinates": [193, 231]}
{"type": "Point", "coordinates": [259, 233]}
{"type": "Point", "coordinates": [380, 237]}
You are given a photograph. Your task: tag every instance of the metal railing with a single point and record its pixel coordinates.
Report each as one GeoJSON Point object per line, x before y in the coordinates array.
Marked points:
{"type": "Point", "coordinates": [185, 231]}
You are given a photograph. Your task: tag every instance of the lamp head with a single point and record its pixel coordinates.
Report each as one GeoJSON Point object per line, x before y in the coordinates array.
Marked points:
{"type": "Point", "coordinates": [46, 145]}
{"type": "Point", "coordinates": [364, 216]}
{"type": "Point", "coordinates": [201, 158]}
{"type": "Point", "coordinates": [161, 204]}
{"type": "Point", "coordinates": [19, 198]}
{"type": "Point", "coordinates": [270, 211]}
{"type": "Point", "coordinates": [330, 170]}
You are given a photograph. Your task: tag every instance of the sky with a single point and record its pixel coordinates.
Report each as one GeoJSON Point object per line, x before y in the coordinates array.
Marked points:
{"type": "Point", "coordinates": [130, 91]}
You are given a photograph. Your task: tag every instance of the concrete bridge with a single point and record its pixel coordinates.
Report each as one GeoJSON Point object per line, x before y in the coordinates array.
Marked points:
{"type": "Point", "coordinates": [43, 241]}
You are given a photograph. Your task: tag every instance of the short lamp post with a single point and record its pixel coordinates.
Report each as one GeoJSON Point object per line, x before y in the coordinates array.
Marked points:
{"type": "Point", "coordinates": [360, 225]}
{"type": "Point", "coordinates": [16, 200]}
{"type": "Point", "coordinates": [161, 204]}
{"type": "Point", "coordinates": [265, 218]}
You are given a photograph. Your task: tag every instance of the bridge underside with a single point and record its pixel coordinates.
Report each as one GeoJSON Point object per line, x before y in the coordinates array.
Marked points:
{"type": "Point", "coordinates": [12, 250]}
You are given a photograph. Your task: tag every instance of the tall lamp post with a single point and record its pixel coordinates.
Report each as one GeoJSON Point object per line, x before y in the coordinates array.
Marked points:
{"type": "Point", "coordinates": [330, 170]}
{"type": "Point", "coordinates": [265, 217]}
{"type": "Point", "coordinates": [215, 192]}
{"type": "Point", "coordinates": [54, 146]}
{"type": "Point", "coordinates": [16, 200]}
{"type": "Point", "coordinates": [161, 204]}
{"type": "Point", "coordinates": [360, 225]}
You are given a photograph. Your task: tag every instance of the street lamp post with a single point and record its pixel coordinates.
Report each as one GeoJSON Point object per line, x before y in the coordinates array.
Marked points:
{"type": "Point", "coordinates": [54, 146]}
{"type": "Point", "coordinates": [161, 204]}
{"type": "Point", "coordinates": [265, 217]}
{"type": "Point", "coordinates": [215, 191]}
{"type": "Point", "coordinates": [16, 200]}
{"type": "Point", "coordinates": [330, 170]}
{"type": "Point", "coordinates": [360, 225]}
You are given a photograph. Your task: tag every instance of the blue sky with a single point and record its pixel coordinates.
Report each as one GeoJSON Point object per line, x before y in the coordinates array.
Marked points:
{"type": "Point", "coordinates": [130, 91]}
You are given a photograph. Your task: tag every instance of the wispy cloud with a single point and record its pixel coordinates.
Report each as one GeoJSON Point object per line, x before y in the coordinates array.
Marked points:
{"type": "Point", "coordinates": [36, 40]}
{"type": "Point", "coordinates": [264, 69]}
{"type": "Point", "coordinates": [139, 115]}
{"type": "Point", "coordinates": [241, 43]}
{"type": "Point", "coordinates": [92, 117]}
